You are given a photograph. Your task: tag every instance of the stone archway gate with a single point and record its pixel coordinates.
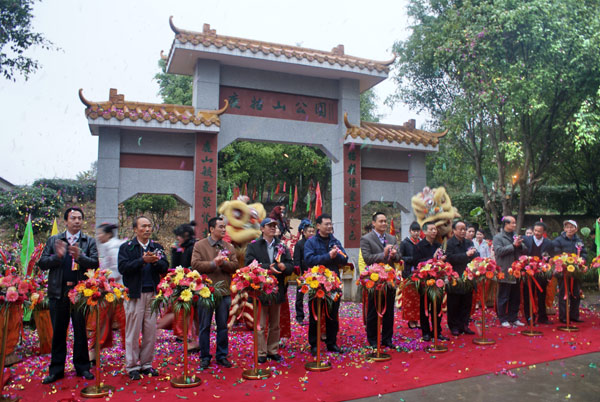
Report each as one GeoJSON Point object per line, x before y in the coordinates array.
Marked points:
{"type": "Point", "coordinates": [259, 91]}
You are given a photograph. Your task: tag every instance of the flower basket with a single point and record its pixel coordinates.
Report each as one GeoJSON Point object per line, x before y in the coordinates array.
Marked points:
{"type": "Point", "coordinates": [535, 267]}
{"type": "Point", "coordinates": [254, 280]}
{"type": "Point", "coordinates": [433, 277]}
{"type": "Point", "coordinates": [182, 287]}
{"type": "Point", "coordinates": [570, 264]}
{"type": "Point", "coordinates": [321, 283]}
{"type": "Point", "coordinates": [97, 291]}
{"type": "Point", "coordinates": [482, 269]}
{"type": "Point", "coordinates": [377, 277]}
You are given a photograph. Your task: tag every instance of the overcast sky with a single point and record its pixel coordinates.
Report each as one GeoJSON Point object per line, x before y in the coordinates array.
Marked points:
{"type": "Point", "coordinates": [116, 44]}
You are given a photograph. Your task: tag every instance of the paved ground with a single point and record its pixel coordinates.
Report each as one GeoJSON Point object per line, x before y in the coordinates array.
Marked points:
{"type": "Point", "coordinates": [573, 379]}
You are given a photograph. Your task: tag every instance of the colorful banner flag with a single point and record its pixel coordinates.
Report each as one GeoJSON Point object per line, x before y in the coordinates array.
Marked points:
{"type": "Point", "coordinates": [284, 184]}
{"type": "Point", "coordinates": [245, 189]}
{"type": "Point", "coordinates": [295, 198]}
{"type": "Point", "coordinates": [318, 201]}
{"type": "Point", "coordinates": [236, 192]}
{"type": "Point", "coordinates": [392, 228]}
{"type": "Point", "coordinates": [597, 241]}
{"type": "Point", "coordinates": [289, 199]}
{"type": "Point", "coordinates": [54, 228]}
{"type": "Point", "coordinates": [277, 189]}
{"type": "Point", "coordinates": [229, 193]}
{"type": "Point", "coordinates": [28, 245]}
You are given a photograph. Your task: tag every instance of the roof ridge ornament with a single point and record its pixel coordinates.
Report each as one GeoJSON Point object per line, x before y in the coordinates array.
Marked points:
{"type": "Point", "coordinates": [83, 99]}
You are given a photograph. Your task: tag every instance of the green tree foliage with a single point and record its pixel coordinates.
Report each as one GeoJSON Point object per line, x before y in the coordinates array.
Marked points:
{"type": "Point", "coordinates": [368, 106]}
{"type": "Point", "coordinates": [580, 157]}
{"type": "Point", "coordinates": [173, 88]}
{"type": "Point", "coordinates": [505, 77]}
{"type": "Point", "coordinates": [157, 206]}
{"type": "Point", "coordinates": [70, 190]}
{"type": "Point", "coordinates": [43, 203]}
{"type": "Point", "coordinates": [16, 37]}
{"type": "Point", "coordinates": [263, 166]}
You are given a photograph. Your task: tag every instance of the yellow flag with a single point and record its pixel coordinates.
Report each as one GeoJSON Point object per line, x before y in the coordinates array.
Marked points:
{"type": "Point", "coordinates": [54, 228]}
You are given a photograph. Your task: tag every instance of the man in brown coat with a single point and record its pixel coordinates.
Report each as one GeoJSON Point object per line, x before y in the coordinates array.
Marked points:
{"type": "Point", "coordinates": [216, 258]}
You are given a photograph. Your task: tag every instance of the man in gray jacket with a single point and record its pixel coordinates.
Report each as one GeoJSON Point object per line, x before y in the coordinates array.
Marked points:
{"type": "Point", "coordinates": [377, 246]}
{"type": "Point", "coordinates": [507, 249]}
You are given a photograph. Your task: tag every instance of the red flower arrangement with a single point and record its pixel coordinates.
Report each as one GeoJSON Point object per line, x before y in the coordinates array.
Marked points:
{"type": "Point", "coordinates": [320, 282]}
{"type": "Point", "coordinates": [480, 269]}
{"type": "Point", "coordinates": [254, 280]}
{"type": "Point", "coordinates": [433, 276]}
{"type": "Point", "coordinates": [530, 265]}
{"type": "Point", "coordinates": [13, 288]}
{"type": "Point", "coordinates": [377, 277]}
{"type": "Point", "coordinates": [569, 263]}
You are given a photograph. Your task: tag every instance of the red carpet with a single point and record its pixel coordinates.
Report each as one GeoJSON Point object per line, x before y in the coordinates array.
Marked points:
{"type": "Point", "coordinates": [351, 376]}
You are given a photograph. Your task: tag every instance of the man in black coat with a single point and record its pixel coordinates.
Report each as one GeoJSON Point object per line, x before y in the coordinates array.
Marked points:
{"type": "Point", "coordinates": [377, 246]}
{"type": "Point", "coordinates": [459, 252]}
{"type": "Point", "coordinates": [141, 262]}
{"type": "Point", "coordinates": [68, 256]}
{"type": "Point", "coordinates": [308, 231]}
{"type": "Point", "coordinates": [569, 242]}
{"type": "Point", "coordinates": [273, 256]}
{"type": "Point", "coordinates": [426, 249]}
{"type": "Point", "coordinates": [537, 246]}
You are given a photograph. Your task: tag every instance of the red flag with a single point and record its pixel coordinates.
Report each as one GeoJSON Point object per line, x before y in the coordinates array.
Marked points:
{"type": "Point", "coordinates": [277, 189]}
{"type": "Point", "coordinates": [254, 193]}
{"type": "Point", "coordinates": [236, 193]}
{"type": "Point", "coordinates": [392, 228]}
{"type": "Point", "coordinates": [318, 201]}
{"type": "Point", "coordinates": [246, 189]}
{"type": "Point", "coordinates": [295, 198]}
{"type": "Point", "coordinates": [284, 186]}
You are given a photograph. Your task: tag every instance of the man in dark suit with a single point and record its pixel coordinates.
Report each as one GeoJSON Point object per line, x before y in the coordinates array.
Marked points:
{"type": "Point", "coordinates": [377, 246]}
{"type": "Point", "coordinates": [459, 252]}
{"type": "Point", "coordinates": [68, 256]}
{"type": "Point", "coordinates": [273, 256]}
{"type": "Point", "coordinates": [537, 246]}
{"type": "Point", "coordinates": [308, 231]}
{"type": "Point", "coordinates": [426, 249]}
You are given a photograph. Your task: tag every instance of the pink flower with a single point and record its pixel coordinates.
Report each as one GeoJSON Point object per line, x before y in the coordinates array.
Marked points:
{"type": "Point", "coordinates": [12, 296]}
{"type": "Point", "coordinates": [439, 283]}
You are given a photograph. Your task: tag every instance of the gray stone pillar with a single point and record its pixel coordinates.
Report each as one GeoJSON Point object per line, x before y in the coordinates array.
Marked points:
{"type": "Point", "coordinates": [107, 184]}
{"type": "Point", "coordinates": [207, 78]}
{"type": "Point", "coordinates": [417, 179]}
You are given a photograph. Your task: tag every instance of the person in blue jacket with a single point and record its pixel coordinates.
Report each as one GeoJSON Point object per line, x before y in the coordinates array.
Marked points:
{"type": "Point", "coordinates": [324, 249]}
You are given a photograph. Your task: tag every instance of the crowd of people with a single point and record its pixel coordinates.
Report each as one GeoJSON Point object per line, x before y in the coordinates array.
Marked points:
{"type": "Point", "coordinates": [140, 263]}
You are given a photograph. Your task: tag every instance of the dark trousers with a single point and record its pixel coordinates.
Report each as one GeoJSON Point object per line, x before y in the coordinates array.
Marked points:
{"type": "Point", "coordinates": [539, 298]}
{"type": "Point", "coordinates": [509, 299]}
{"type": "Point", "coordinates": [299, 304]}
{"type": "Point", "coordinates": [61, 312]}
{"type": "Point", "coordinates": [221, 312]}
{"type": "Point", "coordinates": [459, 310]}
{"type": "Point", "coordinates": [387, 321]}
{"type": "Point", "coordinates": [332, 324]}
{"type": "Point", "coordinates": [574, 299]}
{"type": "Point", "coordinates": [426, 328]}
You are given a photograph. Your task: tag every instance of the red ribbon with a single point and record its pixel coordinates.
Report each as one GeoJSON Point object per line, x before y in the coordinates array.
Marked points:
{"type": "Point", "coordinates": [258, 315]}
{"type": "Point", "coordinates": [425, 303]}
{"type": "Point", "coordinates": [365, 306]}
{"type": "Point", "coordinates": [531, 301]}
{"type": "Point", "coordinates": [385, 303]}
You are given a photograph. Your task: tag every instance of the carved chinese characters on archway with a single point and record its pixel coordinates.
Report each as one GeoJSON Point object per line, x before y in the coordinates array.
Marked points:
{"type": "Point", "coordinates": [352, 207]}
{"type": "Point", "coordinates": [205, 180]}
{"type": "Point", "coordinates": [252, 102]}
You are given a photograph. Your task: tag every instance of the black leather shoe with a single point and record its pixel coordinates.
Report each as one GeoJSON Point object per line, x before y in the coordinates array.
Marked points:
{"type": "Point", "coordinates": [86, 374]}
{"type": "Point", "coordinates": [134, 375]}
{"type": "Point", "coordinates": [545, 322]}
{"type": "Point", "coordinates": [455, 332]}
{"type": "Point", "coordinates": [427, 338]}
{"type": "Point", "coordinates": [388, 344]}
{"type": "Point", "coordinates": [576, 320]}
{"type": "Point", "coordinates": [276, 357]}
{"type": "Point", "coordinates": [442, 337]}
{"type": "Point", "coordinates": [149, 371]}
{"type": "Point", "coordinates": [313, 350]}
{"type": "Point", "coordinates": [50, 378]}
{"type": "Point", "coordinates": [335, 349]}
{"type": "Point", "coordinates": [468, 331]}
{"type": "Point", "coordinates": [205, 363]}
{"type": "Point", "coordinates": [262, 359]}
{"type": "Point", "coordinates": [224, 362]}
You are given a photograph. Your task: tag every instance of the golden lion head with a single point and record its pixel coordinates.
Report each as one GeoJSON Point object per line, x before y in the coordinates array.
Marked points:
{"type": "Point", "coordinates": [434, 206]}
{"type": "Point", "coordinates": [243, 220]}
